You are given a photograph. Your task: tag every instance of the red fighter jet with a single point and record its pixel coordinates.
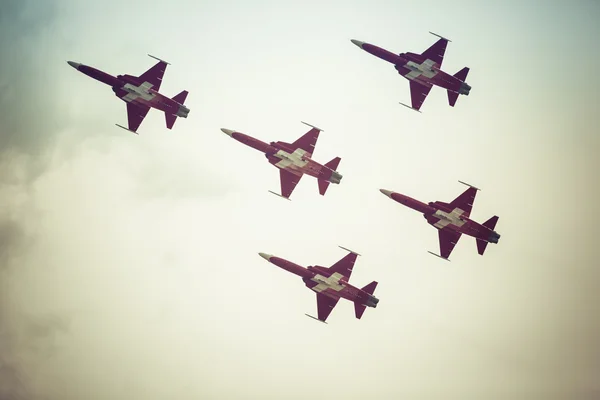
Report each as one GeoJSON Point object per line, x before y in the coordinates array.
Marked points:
{"type": "Point", "coordinates": [140, 93]}
{"type": "Point", "coordinates": [331, 284]}
{"type": "Point", "coordinates": [294, 160]}
{"type": "Point", "coordinates": [423, 71]}
{"type": "Point", "coordinates": [452, 220]}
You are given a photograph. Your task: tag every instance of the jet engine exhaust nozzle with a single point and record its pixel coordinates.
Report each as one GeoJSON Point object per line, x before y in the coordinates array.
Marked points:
{"type": "Point", "coordinates": [336, 177]}
{"type": "Point", "coordinates": [183, 111]}
{"type": "Point", "coordinates": [464, 89]}
{"type": "Point", "coordinates": [372, 302]}
{"type": "Point", "coordinates": [494, 237]}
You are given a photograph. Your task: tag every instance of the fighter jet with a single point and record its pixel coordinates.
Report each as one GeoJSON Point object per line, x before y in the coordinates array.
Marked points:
{"type": "Point", "coordinates": [294, 160]}
{"type": "Point", "coordinates": [140, 93]}
{"type": "Point", "coordinates": [452, 220]}
{"type": "Point", "coordinates": [423, 71]}
{"type": "Point", "coordinates": [331, 284]}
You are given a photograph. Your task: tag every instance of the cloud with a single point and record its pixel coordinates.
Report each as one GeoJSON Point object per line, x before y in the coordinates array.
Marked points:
{"type": "Point", "coordinates": [29, 127]}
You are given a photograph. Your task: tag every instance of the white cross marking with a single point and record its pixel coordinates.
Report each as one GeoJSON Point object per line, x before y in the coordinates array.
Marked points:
{"type": "Point", "coordinates": [333, 282]}
{"type": "Point", "coordinates": [449, 218]}
{"type": "Point", "coordinates": [296, 158]}
{"type": "Point", "coordinates": [138, 91]}
{"type": "Point", "coordinates": [417, 70]}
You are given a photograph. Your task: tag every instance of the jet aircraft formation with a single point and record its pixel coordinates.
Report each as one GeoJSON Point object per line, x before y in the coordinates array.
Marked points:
{"type": "Point", "coordinates": [294, 160]}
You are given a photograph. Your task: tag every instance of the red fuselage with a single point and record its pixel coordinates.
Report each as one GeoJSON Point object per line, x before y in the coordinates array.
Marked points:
{"type": "Point", "coordinates": [131, 89]}
{"type": "Point", "coordinates": [283, 156]}
{"type": "Point", "coordinates": [405, 63]}
{"type": "Point", "coordinates": [317, 275]}
{"type": "Point", "coordinates": [441, 216]}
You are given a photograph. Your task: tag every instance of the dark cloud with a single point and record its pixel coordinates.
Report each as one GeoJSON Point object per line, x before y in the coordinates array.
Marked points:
{"type": "Point", "coordinates": [28, 128]}
{"type": "Point", "coordinates": [12, 236]}
{"type": "Point", "coordinates": [27, 111]}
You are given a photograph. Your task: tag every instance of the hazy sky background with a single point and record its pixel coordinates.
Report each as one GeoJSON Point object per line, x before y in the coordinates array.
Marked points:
{"type": "Point", "coordinates": [129, 265]}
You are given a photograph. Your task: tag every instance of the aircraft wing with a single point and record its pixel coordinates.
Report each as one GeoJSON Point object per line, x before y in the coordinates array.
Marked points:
{"type": "Point", "coordinates": [344, 266]}
{"type": "Point", "coordinates": [154, 75]}
{"type": "Point", "coordinates": [465, 201]}
{"type": "Point", "coordinates": [436, 52]}
{"type": "Point", "coordinates": [418, 94]}
{"type": "Point", "coordinates": [135, 115]}
{"type": "Point", "coordinates": [308, 141]}
{"type": "Point", "coordinates": [289, 181]}
{"type": "Point", "coordinates": [325, 306]}
{"type": "Point", "coordinates": [448, 239]}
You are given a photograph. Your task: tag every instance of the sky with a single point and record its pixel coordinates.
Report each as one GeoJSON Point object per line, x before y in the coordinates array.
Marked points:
{"type": "Point", "coordinates": [129, 264]}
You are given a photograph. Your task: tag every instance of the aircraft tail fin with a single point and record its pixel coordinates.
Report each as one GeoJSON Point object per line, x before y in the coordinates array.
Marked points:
{"type": "Point", "coordinates": [171, 118]}
{"type": "Point", "coordinates": [481, 245]}
{"type": "Point", "coordinates": [462, 76]}
{"type": "Point", "coordinates": [359, 308]}
{"type": "Point", "coordinates": [370, 288]}
{"type": "Point", "coordinates": [490, 224]}
{"type": "Point", "coordinates": [323, 185]}
{"type": "Point", "coordinates": [180, 98]}
{"type": "Point", "coordinates": [452, 97]}
{"type": "Point", "coordinates": [333, 164]}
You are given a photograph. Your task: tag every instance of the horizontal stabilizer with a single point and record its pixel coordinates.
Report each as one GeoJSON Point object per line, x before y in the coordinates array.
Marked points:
{"type": "Point", "coordinates": [180, 98]}
{"type": "Point", "coordinates": [170, 118]}
{"type": "Point", "coordinates": [333, 164]}
{"type": "Point", "coordinates": [370, 288]}
{"type": "Point", "coordinates": [359, 309]}
{"type": "Point", "coordinates": [462, 74]}
{"type": "Point", "coordinates": [452, 97]}
{"type": "Point", "coordinates": [491, 223]}
{"type": "Point", "coordinates": [481, 245]}
{"type": "Point", "coordinates": [323, 185]}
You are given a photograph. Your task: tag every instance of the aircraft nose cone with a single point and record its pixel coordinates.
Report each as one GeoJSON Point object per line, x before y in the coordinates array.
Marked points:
{"type": "Point", "coordinates": [388, 193]}
{"type": "Point", "coordinates": [228, 132]}
{"type": "Point", "coordinates": [74, 64]}
{"type": "Point", "coordinates": [357, 42]}
{"type": "Point", "coordinates": [265, 256]}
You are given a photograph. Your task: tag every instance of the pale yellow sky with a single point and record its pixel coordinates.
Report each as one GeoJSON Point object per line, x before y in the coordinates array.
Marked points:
{"type": "Point", "coordinates": [129, 265]}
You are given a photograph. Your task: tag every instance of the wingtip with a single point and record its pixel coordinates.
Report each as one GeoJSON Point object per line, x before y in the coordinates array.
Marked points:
{"type": "Point", "coordinates": [312, 126]}
{"type": "Point", "coordinates": [347, 249]}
